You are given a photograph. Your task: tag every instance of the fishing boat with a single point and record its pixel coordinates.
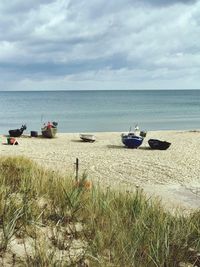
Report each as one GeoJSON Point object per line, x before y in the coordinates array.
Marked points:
{"type": "Point", "coordinates": [17, 132]}
{"type": "Point", "coordinates": [131, 140]}
{"type": "Point", "coordinates": [87, 137]}
{"type": "Point", "coordinates": [158, 144]}
{"type": "Point", "coordinates": [49, 130]}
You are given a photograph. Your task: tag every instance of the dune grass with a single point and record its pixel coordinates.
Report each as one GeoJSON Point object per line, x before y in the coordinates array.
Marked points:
{"type": "Point", "coordinates": [61, 223]}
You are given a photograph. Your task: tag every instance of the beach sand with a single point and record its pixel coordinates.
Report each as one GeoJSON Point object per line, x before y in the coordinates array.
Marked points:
{"type": "Point", "coordinates": [173, 174]}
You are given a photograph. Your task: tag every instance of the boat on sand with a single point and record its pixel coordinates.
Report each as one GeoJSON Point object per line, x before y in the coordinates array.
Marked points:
{"type": "Point", "coordinates": [49, 130]}
{"type": "Point", "coordinates": [87, 137]}
{"type": "Point", "coordinates": [17, 132]}
{"type": "Point", "coordinates": [131, 140]}
{"type": "Point", "coordinates": [158, 144]}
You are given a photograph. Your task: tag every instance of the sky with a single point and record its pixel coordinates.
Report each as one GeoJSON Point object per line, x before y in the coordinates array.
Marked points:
{"type": "Point", "coordinates": [99, 44]}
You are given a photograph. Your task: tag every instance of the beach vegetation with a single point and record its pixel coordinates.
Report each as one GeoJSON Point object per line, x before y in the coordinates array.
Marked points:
{"type": "Point", "coordinates": [49, 219]}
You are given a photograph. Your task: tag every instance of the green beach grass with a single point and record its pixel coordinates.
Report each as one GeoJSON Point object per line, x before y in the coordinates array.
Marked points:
{"type": "Point", "coordinates": [49, 220]}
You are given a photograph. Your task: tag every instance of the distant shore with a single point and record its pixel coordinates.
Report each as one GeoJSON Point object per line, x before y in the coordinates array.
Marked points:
{"type": "Point", "coordinates": [172, 174]}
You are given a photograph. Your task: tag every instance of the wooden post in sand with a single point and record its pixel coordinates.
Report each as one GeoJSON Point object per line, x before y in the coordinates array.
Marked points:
{"type": "Point", "coordinates": [77, 168]}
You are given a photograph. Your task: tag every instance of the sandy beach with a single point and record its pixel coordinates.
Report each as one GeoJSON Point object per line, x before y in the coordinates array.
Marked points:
{"type": "Point", "coordinates": [173, 174]}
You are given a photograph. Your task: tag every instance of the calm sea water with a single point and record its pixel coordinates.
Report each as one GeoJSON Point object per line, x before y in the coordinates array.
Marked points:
{"type": "Point", "coordinates": [93, 111]}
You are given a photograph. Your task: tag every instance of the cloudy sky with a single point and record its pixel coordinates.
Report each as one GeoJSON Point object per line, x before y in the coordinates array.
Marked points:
{"type": "Point", "coordinates": [99, 44]}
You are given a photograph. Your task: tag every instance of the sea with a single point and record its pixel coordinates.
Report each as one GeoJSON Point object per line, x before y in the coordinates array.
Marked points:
{"type": "Point", "coordinates": [101, 111]}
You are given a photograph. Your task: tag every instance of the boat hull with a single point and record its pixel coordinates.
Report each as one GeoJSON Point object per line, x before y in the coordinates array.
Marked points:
{"type": "Point", "coordinates": [87, 138]}
{"type": "Point", "coordinates": [49, 132]}
{"type": "Point", "coordinates": [15, 133]}
{"type": "Point", "coordinates": [132, 141]}
{"type": "Point", "coordinates": [159, 145]}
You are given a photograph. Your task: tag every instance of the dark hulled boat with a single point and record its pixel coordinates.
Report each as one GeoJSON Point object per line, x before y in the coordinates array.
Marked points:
{"type": "Point", "coordinates": [158, 144]}
{"type": "Point", "coordinates": [49, 130]}
{"type": "Point", "coordinates": [17, 132]}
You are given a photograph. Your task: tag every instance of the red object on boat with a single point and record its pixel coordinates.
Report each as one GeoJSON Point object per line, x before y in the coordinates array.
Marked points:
{"type": "Point", "coordinates": [49, 125]}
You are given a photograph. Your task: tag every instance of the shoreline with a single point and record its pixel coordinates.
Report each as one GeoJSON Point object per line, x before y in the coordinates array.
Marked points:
{"type": "Point", "coordinates": [171, 174]}
{"type": "Point", "coordinates": [27, 133]}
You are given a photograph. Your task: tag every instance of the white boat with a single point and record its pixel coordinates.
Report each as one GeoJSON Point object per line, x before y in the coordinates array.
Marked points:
{"type": "Point", "coordinates": [87, 137]}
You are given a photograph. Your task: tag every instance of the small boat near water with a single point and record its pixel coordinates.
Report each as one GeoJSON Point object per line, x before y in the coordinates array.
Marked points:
{"type": "Point", "coordinates": [17, 132]}
{"type": "Point", "coordinates": [49, 130]}
{"type": "Point", "coordinates": [87, 138]}
{"type": "Point", "coordinates": [158, 144]}
{"type": "Point", "coordinates": [131, 140]}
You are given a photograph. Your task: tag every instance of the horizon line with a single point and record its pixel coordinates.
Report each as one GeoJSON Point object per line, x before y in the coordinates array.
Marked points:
{"type": "Point", "coordinates": [78, 90]}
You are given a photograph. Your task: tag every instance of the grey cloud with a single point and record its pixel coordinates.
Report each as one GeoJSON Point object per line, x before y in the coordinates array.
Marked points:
{"type": "Point", "coordinates": [20, 6]}
{"type": "Point", "coordinates": [160, 3]}
{"type": "Point", "coordinates": [44, 69]}
{"type": "Point", "coordinates": [83, 39]}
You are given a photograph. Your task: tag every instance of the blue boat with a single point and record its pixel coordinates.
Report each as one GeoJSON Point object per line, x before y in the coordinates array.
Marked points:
{"type": "Point", "coordinates": [131, 140]}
